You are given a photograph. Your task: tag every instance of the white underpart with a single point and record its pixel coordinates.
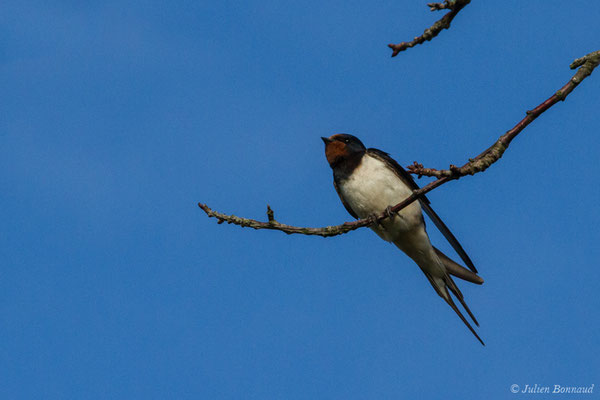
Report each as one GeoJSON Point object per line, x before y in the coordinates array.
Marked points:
{"type": "Point", "coordinates": [370, 189]}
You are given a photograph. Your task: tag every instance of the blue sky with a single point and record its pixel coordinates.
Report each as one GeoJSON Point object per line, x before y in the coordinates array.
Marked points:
{"type": "Point", "coordinates": [118, 118]}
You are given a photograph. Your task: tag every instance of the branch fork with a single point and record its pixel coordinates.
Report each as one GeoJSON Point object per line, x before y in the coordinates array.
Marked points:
{"type": "Point", "coordinates": [444, 23]}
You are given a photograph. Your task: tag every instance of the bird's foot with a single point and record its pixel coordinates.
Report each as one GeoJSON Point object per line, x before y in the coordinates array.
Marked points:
{"type": "Point", "coordinates": [390, 214]}
{"type": "Point", "coordinates": [373, 219]}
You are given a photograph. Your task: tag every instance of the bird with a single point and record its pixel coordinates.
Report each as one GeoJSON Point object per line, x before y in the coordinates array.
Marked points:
{"type": "Point", "coordinates": [369, 182]}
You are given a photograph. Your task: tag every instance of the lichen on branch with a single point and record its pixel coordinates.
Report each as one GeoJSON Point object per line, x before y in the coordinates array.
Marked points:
{"type": "Point", "coordinates": [489, 156]}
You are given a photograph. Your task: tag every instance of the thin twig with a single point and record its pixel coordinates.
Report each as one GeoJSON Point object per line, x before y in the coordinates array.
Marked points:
{"type": "Point", "coordinates": [446, 5]}
{"type": "Point", "coordinates": [274, 225]}
{"type": "Point", "coordinates": [586, 65]}
{"type": "Point", "coordinates": [326, 231]}
{"type": "Point", "coordinates": [444, 23]}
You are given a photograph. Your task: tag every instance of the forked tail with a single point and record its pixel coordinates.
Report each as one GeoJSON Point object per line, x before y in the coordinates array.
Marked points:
{"type": "Point", "coordinates": [441, 286]}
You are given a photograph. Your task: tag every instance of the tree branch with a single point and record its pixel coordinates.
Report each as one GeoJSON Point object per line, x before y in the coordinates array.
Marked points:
{"type": "Point", "coordinates": [586, 65]}
{"type": "Point", "coordinates": [274, 225]}
{"type": "Point", "coordinates": [326, 231]}
{"type": "Point", "coordinates": [444, 23]}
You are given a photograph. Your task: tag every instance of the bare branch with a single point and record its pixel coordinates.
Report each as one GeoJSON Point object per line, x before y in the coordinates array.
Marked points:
{"type": "Point", "coordinates": [585, 64]}
{"type": "Point", "coordinates": [326, 231]}
{"type": "Point", "coordinates": [444, 23]}
{"type": "Point", "coordinates": [492, 154]}
{"type": "Point", "coordinates": [274, 225]}
{"type": "Point", "coordinates": [446, 5]}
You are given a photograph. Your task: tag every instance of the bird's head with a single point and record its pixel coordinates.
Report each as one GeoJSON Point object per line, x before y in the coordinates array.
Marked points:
{"type": "Point", "coordinates": [341, 147]}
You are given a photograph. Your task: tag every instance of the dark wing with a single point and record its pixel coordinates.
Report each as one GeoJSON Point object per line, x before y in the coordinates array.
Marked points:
{"type": "Point", "coordinates": [448, 235]}
{"type": "Point", "coordinates": [458, 270]}
{"type": "Point", "coordinates": [346, 205]}
{"type": "Point", "coordinates": [410, 182]}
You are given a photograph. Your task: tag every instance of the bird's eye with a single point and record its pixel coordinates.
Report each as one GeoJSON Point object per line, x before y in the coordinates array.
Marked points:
{"type": "Point", "coordinates": [346, 140]}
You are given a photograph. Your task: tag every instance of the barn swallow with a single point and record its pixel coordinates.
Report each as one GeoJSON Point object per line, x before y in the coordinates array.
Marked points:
{"type": "Point", "coordinates": [370, 182]}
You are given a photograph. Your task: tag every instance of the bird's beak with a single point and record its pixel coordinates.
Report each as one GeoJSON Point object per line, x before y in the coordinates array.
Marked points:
{"type": "Point", "coordinates": [326, 140]}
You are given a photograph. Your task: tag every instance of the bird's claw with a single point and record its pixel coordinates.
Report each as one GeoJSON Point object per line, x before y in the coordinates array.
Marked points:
{"type": "Point", "coordinates": [373, 219]}
{"type": "Point", "coordinates": [390, 214]}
